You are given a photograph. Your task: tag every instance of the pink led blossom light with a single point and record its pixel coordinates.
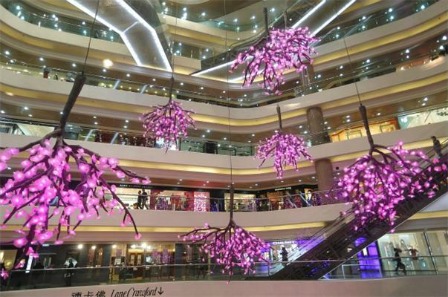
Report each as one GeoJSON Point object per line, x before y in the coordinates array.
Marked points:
{"type": "Point", "coordinates": [281, 50]}
{"type": "Point", "coordinates": [40, 191]}
{"type": "Point", "coordinates": [167, 122]}
{"type": "Point", "coordinates": [231, 246]}
{"type": "Point", "coordinates": [285, 148]}
{"type": "Point", "coordinates": [377, 182]}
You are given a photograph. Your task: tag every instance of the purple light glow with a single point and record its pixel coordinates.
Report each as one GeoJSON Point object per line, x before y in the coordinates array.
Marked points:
{"type": "Point", "coordinates": [377, 184]}
{"type": "Point", "coordinates": [281, 50]}
{"type": "Point", "coordinates": [285, 148]}
{"type": "Point", "coordinates": [167, 122]}
{"type": "Point", "coordinates": [40, 190]}
{"type": "Point", "coordinates": [231, 246]}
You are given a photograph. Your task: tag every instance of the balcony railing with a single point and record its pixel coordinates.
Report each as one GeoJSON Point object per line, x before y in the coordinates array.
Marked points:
{"type": "Point", "coordinates": [54, 277]}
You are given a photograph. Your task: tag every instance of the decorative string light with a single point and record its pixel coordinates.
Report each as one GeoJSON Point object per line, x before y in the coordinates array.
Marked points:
{"type": "Point", "coordinates": [280, 50]}
{"type": "Point", "coordinates": [40, 191]}
{"type": "Point", "coordinates": [379, 181]}
{"type": "Point", "coordinates": [231, 246]}
{"type": "Point", "coordinates": [285, 148]}
{"type": "Point", "coordinates": [168, 122]}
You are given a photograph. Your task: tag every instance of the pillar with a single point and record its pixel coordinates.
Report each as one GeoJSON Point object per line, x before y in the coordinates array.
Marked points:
{"type": "Point", "coordinates": [324, 174]}
{"type": "Point", "coordinates": [318, 135]}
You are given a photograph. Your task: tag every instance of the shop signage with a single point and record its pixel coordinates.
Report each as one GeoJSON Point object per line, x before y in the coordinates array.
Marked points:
{"type": "Point", "coordinates": [281, 189]}
{"type": "Point", "coordinates": [131, 292]}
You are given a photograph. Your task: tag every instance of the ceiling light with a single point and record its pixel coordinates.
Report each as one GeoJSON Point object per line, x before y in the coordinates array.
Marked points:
{"type": "Point", "coordinates": [80, 246]}
{"type": "Point", "coordinates": [30, 115]}
{"type": "Point", "coordinates": [9, 93]}
{"type": "Point", "coordinates": [208, 130]}
{"type": "Point", "coordinates": [25, 108]}
{"type": "Point", "coordinates": [7, 53]}
{"type": "Point", "coordinates": [107, 63]}
{"type": "Point", "coordinates": [96, 123]}
{"type": "Point", "coordinates": [128, 75]}
{"type": "Point", "coordinates": [253, 135]}
{"type": "Point", "coordinates": [126, 121]}
{"type": "Point", "coordinates": [104, 70]}
{"type": "Point", "coordinates": [41, 59]}
{"type": "Point", "coordinates": [93, 247]}
{"type": "Point", "coordinates": [425, 99]}
{"type": "Point", "coordinates": [225, 138]}
{"type": "Point", "coordinates": [125, 127]}
{"type": "Point", "coordinates": [94, 117]}
{"type": "Point", "coordinates": [378, 113]}
{"type": "Point", "coordinates": [2, 111]}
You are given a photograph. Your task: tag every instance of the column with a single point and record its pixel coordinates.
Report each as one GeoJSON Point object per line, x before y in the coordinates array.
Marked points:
{"type": "Point", "coordinates": [324, 174]}
{"type": "Point", "coordinates": [318, 135]}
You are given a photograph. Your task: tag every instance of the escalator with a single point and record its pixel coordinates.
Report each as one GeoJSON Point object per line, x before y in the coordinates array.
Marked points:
{"type": "Point", "coordinates": [337, 243]}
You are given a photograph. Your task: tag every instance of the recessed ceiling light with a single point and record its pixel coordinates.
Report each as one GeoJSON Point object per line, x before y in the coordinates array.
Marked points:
{"type": "Point", "coordinates": [425, 99]}
{"type": "Point", "coordinates": [378, 113]}
{"type": "Point", "coordinates": [25, 107]}
{"type": "Point", "coordinates": [208, 130]}
{"type": "Point", "coordinates": [73, 65]}
{"type": "Point", "coordinates": [94, 117]}
{"type": "Point", "coordinates": [125, 127]}
{"type": "Point", "coordinates": [128, 75]}
{"type": "Point", "coordinates": [225, 138]}
{"type": "Point", "coordinates": [107, 63]}
{"type": "Point", "coordinates": [300, 127]}
{"type": "Point", "coordinates": [9, 93]}
{"type": "Point", "coordinates": [96, 123]}
{"type": "Point", "coordinates": [104, 70]}
{"type": "Point", "coordinates": [61, 112]}
{"type": "Point", "coordinates": [30, 115]}
{"type": "Point", "coordinates": [126, 121]}
{"type": "Point", "coordinates": [2, 111]}
{"type": "Point", "coordinates": [41, 59]}
{"type": "Point", "coordinates": [7, 53]}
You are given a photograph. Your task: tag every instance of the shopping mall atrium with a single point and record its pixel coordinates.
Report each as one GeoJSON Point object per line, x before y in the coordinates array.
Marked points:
{"type": "Point", "coordinates": [389, 56]}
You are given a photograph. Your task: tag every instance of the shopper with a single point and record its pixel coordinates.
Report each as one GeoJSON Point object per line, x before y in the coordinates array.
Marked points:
{"type": "Point", "coordinates": [437, 146]}
{"type": "Point", "coordinates": [284, 254]}
{"type": "Point", "coordinates": [69, 273]}
{"type": "Point", "coordinates": [397, 258]}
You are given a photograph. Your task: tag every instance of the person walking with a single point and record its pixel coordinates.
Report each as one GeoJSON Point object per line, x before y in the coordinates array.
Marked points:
{"type": "Point", "coordinates": [397, 258]}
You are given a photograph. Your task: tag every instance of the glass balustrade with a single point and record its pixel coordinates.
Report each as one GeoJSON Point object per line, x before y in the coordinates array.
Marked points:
{"type": "Point", "coordinates": [405, 120]}
{"type": "Point", "coordinates": [53, 277]}
{"type": "Point", "coordinates": [208, 56]}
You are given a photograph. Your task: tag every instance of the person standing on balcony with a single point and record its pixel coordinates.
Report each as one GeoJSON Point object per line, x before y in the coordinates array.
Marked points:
{"type": "Point", "coordinates": [284, 254]}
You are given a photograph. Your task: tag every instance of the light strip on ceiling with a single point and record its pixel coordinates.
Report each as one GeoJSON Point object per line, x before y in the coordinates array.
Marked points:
{"type": "Point", "coordinates": [307, 15]}
{"type": "Point", "coordinates": [123, 34]}
{"type": "Point", "coordinates": [213, 69]}
{"type": "Point", "coordinates": [151, 31]}
{"type": "Point", "coordinates": [332, 17]}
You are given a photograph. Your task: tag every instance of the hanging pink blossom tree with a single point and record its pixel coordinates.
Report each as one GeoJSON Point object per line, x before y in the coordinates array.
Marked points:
{"type": "Point", "coordinates": [168, 122]}
{"type": "Point", "coordinates": [40, 191]}
{"type": "Point", "coordinates": [377, 182]}
{"type": "Point", "coordinates": [280, 50]}
{"type": "Point", "coordinates": [285, 148]}
{"type": "Point", "coordinates": [231, 247]}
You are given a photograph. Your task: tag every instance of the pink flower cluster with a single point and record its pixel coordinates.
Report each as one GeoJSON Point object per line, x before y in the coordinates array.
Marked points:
{"type": "Point", "coordinates": [285, 148]}
{"type": "Point", "coordinates": [376, 184]}
{"type": "Point", "coordinates": [40, 191]}
{"type": "Point", "coordinates": [281, 50]}
{"type": "Point", "coordinates": [168, 122]}
{"type": "Point", "coordinates": [231, 246]}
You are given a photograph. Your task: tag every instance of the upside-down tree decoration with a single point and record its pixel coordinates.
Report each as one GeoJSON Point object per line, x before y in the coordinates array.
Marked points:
{"type": "Point", "coordinates": [231, 246]}
{"type": "Point", "coordinates": [285, 148]}
{"type": "Point", "coordinates": [40, 191]}
{"type": "Point", "coordinates": [280, 50]}
{"type": "Point", "coordinates": [377, 182]}
{"type": "Point", "coordinates": [168, 122]}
